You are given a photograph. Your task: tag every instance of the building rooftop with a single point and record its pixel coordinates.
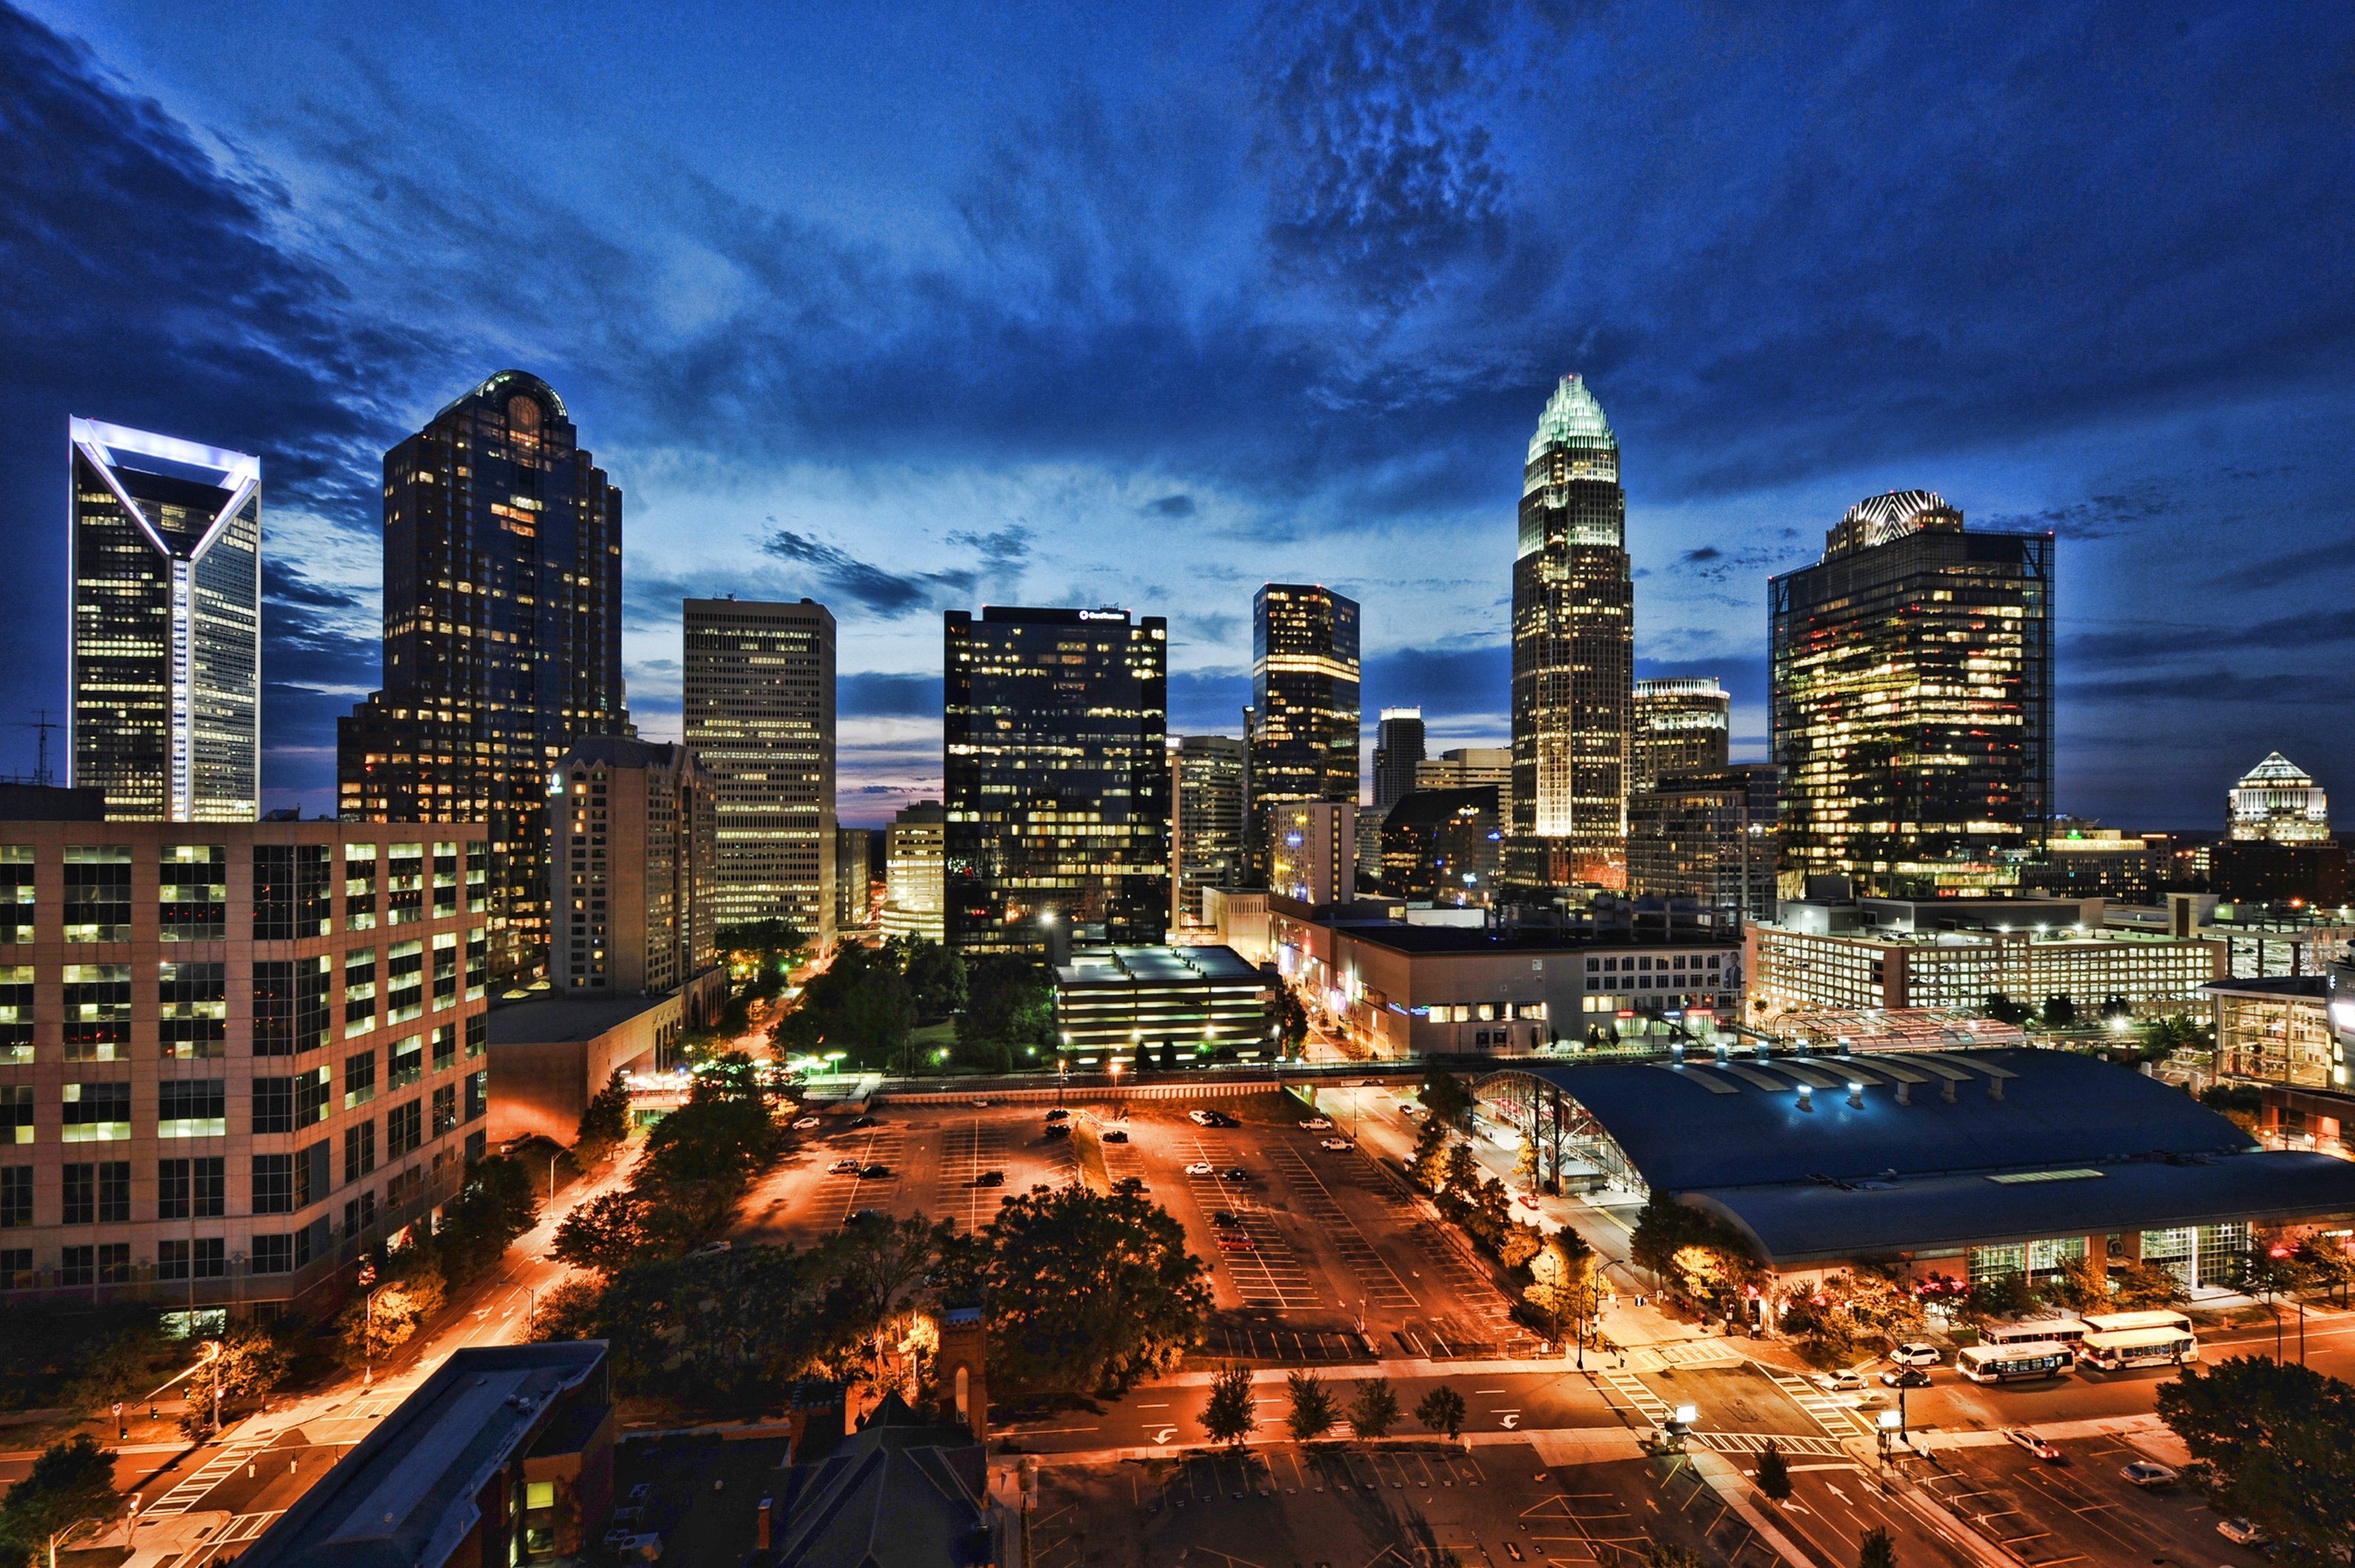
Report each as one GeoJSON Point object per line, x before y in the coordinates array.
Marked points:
{"type": "Point", "coordinates": [2315, 986]}
{"type": "Point", "coordinates": [544, 1020]}
{"type": "Point", "coordinates": [901, 1492]}
{"type": "Point", "coordinates": [1156, 967]}
{"type": "Point", "coordinates": [406, 1496]}
{"type": "Point", "coordinates": [1401, 937]}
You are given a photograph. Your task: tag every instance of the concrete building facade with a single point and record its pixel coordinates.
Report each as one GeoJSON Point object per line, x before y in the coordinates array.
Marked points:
{"type": "Point", "coordinates": [633, 880]}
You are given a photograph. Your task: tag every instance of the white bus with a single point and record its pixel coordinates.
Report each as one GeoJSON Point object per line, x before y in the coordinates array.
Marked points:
{"type": "Point", "coordinates": [2008, 1363]}
{"type": "Point", "coordinates": [2058, 1330]}
{"type": "Point", "coordinates": [2126, 1322]}
{"type": "Point", "coordinates": [2157, 1347]}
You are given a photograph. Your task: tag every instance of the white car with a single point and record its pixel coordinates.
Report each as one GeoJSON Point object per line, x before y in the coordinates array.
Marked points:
{"type": "Point", "coordinates": [2148, 1473]}
{"type": "Point", "coordinates": [1200, 1118]}
{"type": "Point", "coordinates": [1839, 1383]}
{"type": "Point", "coordinates": [843, 1168]}
{"type": "Point", "coordinates": [2021, 1436]}
{"type": "Point", "coordinates": [804, 1123]}
{"type": "Point", "coordinates": [2241, 1532]}
{"type": "Point", "coordinates": [1199, 1167]}
{"type": "Point", "coordinates": [1316, 1124]}
{"type": "Point", "coordinates": [1915, 1353]}
{"type": "Point", "coordinates": [1337, 1145]}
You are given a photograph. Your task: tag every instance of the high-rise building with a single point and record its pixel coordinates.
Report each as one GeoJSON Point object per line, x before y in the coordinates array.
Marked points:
{"type": "Point", "coordinates": [234, 1056]}
{"type": "Point", "coordinates": [1398, 747]}
{"type": "Point", "coordinates": [1707, 836]}
{"type": "Point", "coordinates": [636, 880]}
{"type": "Point", "coordinates": [1913, 702]}
{"type": "Point", "coordinates": [1573, 653]}
{"type": "Point", "coordinates": [502, 639]}
{"type": "Point", "coordinates": [855, 863]}
{"type": "Point", "coordinates": [1443, 846]}
{"type": "Point", "coordinates": [760, 715]}
{"type": "Point", "coordinates": [1683, 725]}
{"type": "Point", "coordinates": [2279, 802]}
{"type": "Point", "coordinates": [1314, 857]}
{"type": "Point", "coordinates": [1303, 714]}
{"type": "Point", "coordinates": [914, 873]}
{"type": "Point", "coordinates": [164, 666]}
{"type": "Point", "coordinates": [1469, 767]}
{"type": "Point", "coordinates": [1205, 781]}
{"type": "Point", "coordinates": [1057, 767]}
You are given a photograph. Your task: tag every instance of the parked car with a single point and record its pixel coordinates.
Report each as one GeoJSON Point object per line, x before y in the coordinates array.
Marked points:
{"type": "Point", "coordinates": [1336, 1144]}
{"type": "Point", "coordinates": [2148, 1473]}
{"type": "Point", "coordinates": [981, 1102]}
{"type": "Point", "coordinates": [868, 1216]}
{"type": "Point", "coordinates": [875, 1172]}
{"type": "Point", "coordinates": [1058, 1114]}
{"type": "Point", "coordinates": [1115, 1135]}
{"type": "Point", "coordinates": [1199, 1167]}
{"type": "Point", "coordinates": [990, 1179]}
{"type": "Point", "coordinates": [1235, 1173]}
{"type": "Point", "coordinates": [1906, 1377]}
{"type": "Point", "coordinates": [2022, 1437]}
{"type": "Point", "coordinates": [1235, 1241]}
{"type": "Point", "coordinates": [1528, 1200]}
{"type": "Point", "coordinates": [1915, 1353]}
{"type": "Point", "coordinates": [2241, 1532]}
{"type": "Point", "coordinates": [1223, 1217]}
{"type": "Point", "coordinates": [843, 1168]}
{"type": "Point", "coordinates": [1316, 1124]}
{"type": "Point", "coordinates": [712, 1249]}
{"type": "Point", "coordinates": [1059, 1129]}
{"type": "Point", "coordinates": [1211, 1119]}
{"type": "Point", "coordinates": [864, 1121]}
{"type": "Point", "coordinates": [1840, 1381]}
{"type": "Point", "coordinates": [804, 1123]}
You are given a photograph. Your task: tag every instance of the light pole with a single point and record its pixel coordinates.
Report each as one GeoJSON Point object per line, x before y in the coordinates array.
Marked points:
{"type": "Point", "coordinates": [1889, 1420]}
{"type": "Point", "coordinates": [368, 1335]}
{"type": "Point", "coordinates": [215, 1347]}
{"type": "Point", "coordinates": [1120, 1111]}
{"type": "Point", "coordinates": [530, 1307]}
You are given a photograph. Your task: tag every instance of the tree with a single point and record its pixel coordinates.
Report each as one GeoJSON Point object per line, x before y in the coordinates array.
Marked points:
{"type": "Point", "coordinates": [1996, 1297]}
{"type": "Point", "coordinates": [1874, 1550]}
{"type": "Point", "coordinates": [250, 1365]}
{"type": "Point", "coordinates": [2059, 1011]}
{"type": "Point", "coordinates": [1375, 1410]}
{"type": "Point", "coordinates": [70, 1482]}
{"type": "Point", "coordinates": [2329, 1261]}
{"type": "Point", "coordinates": [1774, 1473]}
{"type": "Point", "coordinates": [2080, 1284]}
{"type": "Point", "coordinates": [1312, 1406]}
{"type": "Point", "coordinates": [935, 975]}
{"type": "Point", "coordinates": [493, 1208]}
{"type": "Point", "coordinates": [2277, 1441]}
{"type": "Point", "coordinates": [386, 1315]}
{"type": "Point", "coordinates": [1231, 1414]}
{"type": "Point", "coordinates": [1428, 1164]}
{"type": "Point", "coordinates": [1445, 1096]}
{"type": "Point", "coordinates": [115, 1363]}
{"type": "Point", "coordinates": [875, 1270]}
{"type": "Point", "coordinates": [796, 1033]}
{"type": "Point", "coordinates": [1563, 1285]}
{"type": "Point", "coordinates": [604, 1125]}
{"type": "Point", "coordinates": [1442, 1410]}
{"type": "Point", "coordinates": [1291, 1019]}
{"type": "Point", "coordinates": [1693, 1253]}
{"type": "Point", "coordinates": [1008, 1001]}
{"type": "Point", "coordinates": [2141, 1286]}
{"type": "Point", "coordinates": [2003, 1009]}
{"type": "Point", "coordinates": [606, 1233]}
{"type": "Point", "coordinates": [1089, 1292]}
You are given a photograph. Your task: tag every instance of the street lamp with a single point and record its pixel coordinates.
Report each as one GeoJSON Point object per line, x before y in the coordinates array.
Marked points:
{"type": "Point", "coordinates": [1120, 1111]}
{"type": "Point", "coordinates": [215, 1347]}
{"type": "Point", "coordinates": [368, 1337]}
{"type": "Point", "coordinates": [1889, 1425]}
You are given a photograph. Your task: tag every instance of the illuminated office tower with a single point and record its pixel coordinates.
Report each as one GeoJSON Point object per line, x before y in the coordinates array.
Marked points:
{"type": "Point", "coordinates": [914, 878]}
{"type": "Point", "coordinates": [1398, 747]}
{"type": "Point", "coordinates": [637, 883]}
{"type": "Point", "coordinates": [1054, 731]}
{"type": "Point", "coordinates": [1913, 702]}
{"type": "Point", "coordinates": [165, 654]}
{"type": "Point", "coordinates": [2278, 801]}
{"type": "Point", "coordinates": [1205, 779]}
{"type": "Point", "coordinates": [1573, 653]}
{"type": "Point", "coordinates": [502, 639]}
{"type": "Point", "coordinates": [1302, 723]}
{"type": "Point", "coordinates": [759, 715]}
{"type": "Point", "coordinates": [1682, 726]}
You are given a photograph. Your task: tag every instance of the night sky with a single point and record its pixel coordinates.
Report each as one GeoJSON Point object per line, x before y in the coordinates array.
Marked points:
{"type": "Point", "coordinates": [920, 306]}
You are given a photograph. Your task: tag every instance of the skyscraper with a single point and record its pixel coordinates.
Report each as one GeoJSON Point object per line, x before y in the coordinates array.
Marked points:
{"type": "Point", "coordinates": [165, 664]}
{"type": "Point", "coordinates": [1398, 746]}
{"type": "Point", "coordinates": [502, 639]}
{"type": "Point", "coordinates": [1913, 702]}
{"type": "Point", "coordinates": [1206, 780]}
{"type": "Point", "coordinates": [1707, 836]}
{"type": "Point", "coordinates": [1314, 854]}
{"type": "Point", "coordinates": [1573, 653]}
{"type": "Point", "coordinates": [1682, 726]}
{"type": "Point", "coordinates": [914, 884]}
{"type": "Point", "coordinates": [1058, 777]}
{"type": "Point", "coordinates": [637, 882]}
{"type": "Point", "coordinates": [1304, 716]}
{"type": "Point", "coordinates": [759, 716]}
{"type": "Point", "coordinates": [2279, 801]}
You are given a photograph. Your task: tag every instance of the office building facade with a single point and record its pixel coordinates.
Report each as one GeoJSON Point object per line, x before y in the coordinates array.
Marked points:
{"type": "Point", "coordinates": [1913, 702]}
{"type": "Point", "coordinates": [502, 639]}
{"type": "Point", "coordinates": [1303, 722]}
{"type": "Point", "coordinates": [1573, 653]}
{"type": "Point", "coordinates": [1057, 767]}
{"type": "Point", "coordinates": [232, 1055]}
{"type": "Point", "coordinates": [857, 858]}
{"type": "Point", "coordinates": [1683, 725]}
{"type": "Point", "coordinates": [1167, 1007]}
{"type": "Point", "coordinates": [1314, 857]}
{"type": "Point", "coordinates": [2277, 802]}
{"type": "Point", "coordinates": [635, 878]}
{"type": "Point", "coordinates": [1205, 779]}
{"type": "Point", "coordinates": [1794, 969]}
{"type": "Point", "coordinates": [1708, 836]}
{"type": "Point", "coordinates": [165, 658]}
{"type": "Point", "coordinates": [1398, 749]}
{"type": "Point", "coordinates": [1444, 846]}
{"type": "Point", "coordinates": [759, 715]}
{"type": "Point", "coordinates": [915, 872]}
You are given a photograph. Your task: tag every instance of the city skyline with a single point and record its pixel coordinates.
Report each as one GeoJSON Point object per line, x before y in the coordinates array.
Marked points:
{"type": "Point", "coordinates": [1202, 415]}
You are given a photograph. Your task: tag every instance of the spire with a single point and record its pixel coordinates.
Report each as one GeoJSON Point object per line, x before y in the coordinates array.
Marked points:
{"type": "Point", "coordinates": [1573, 419]}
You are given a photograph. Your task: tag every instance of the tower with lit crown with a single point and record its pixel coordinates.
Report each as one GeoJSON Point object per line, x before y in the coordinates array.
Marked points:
{"type": "Point", "coordinates": [1573, 653]}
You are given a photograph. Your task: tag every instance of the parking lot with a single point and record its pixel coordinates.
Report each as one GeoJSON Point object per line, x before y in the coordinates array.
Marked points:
{"type": "Point", "coordinates": [2079, 1509]}
{"type": "Point", "coordinates": [1321, 1246]}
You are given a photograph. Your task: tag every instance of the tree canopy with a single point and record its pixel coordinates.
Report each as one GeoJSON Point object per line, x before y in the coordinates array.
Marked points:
{"type": "Point", "coordinates": [70, 1482]}
{"type": "Point", "coordinates": [1090, 1293]}
{"type": "Point", "coordinates": [2277, 1441]}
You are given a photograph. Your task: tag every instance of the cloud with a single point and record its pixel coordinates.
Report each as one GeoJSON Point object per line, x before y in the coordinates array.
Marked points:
{"type": "Point", "coordinates": [881, 593]}
{"type": "Point", "coordinates": [1169, 507]}
{"type": "Point", "coordinates": [2097, 517]}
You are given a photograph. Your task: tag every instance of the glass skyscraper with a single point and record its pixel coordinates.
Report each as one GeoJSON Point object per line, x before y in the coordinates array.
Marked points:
{"type": "Point", "coordinates": [166, 659]}
{"type": "Point", "coordinates": [1682, 726]}
{"type": "Point", "coordinates": [1302, 723]}
{"type": "Point", "coordinates": [502, 639]}
{"type": "Point", "coordinates": [760, 717]}
{"type": "Point", "coordinates": [1055, 754]}
{"type": "Point", "coordinates": [1913, 702]}
{"type": "Point", "coordinates": [1206, 811]}
{"type": "Point", "coordinates": [1573, 653]}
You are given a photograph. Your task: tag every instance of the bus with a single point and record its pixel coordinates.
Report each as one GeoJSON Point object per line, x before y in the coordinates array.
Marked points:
{"type": "Point", "coordinates": [2009, 1363]}
{"type": "Point", "coordinates": [2059, 1331]}
{"type": "Point", "coordinates": [2156, 1346]}
{"type": "Point", "coordinates": [2126, 1322]}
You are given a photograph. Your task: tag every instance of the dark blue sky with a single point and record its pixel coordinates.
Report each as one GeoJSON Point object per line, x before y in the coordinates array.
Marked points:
{"type": "Point", "coordinates": [914, 306]}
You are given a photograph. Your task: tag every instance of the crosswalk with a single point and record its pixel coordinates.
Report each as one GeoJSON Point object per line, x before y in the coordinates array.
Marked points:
{"type": "Point", "coordinates": [200, 1481]}
{"type": "Point", "coordinates": [229, 1539]}
{"type": "Point", "coordinates": [1637, 1396]}
{"type": "Point", "coordinates": [1834, 1415]}
{"type": "Point", "coordinates": [1756, 1442]}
